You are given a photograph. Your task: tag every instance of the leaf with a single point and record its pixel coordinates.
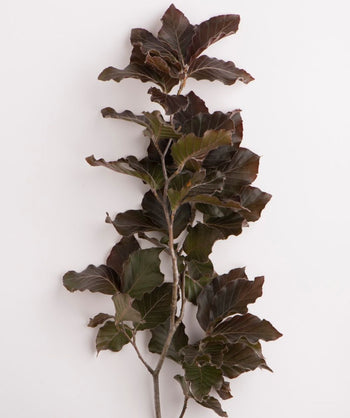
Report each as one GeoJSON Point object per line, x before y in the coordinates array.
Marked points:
{"type": "Point", "coordinates": [211, 31]}
{"type": "Point", "coordinates": [171, 103]}
{"type": "Point", "coordinates": [195, 106]}
{"type": "Point", "coordinates": [154, 308]}
{"type": "Point", "coordinates": [133, 221]}
{"type": "Point", "coordinates": [227, 295]}
{"type": "Point", "coordinates": [212, 403]}
{"type": "Point", "coordinates": [111, 337]}
{"type": "Point", "coordinates": [121, 252]}
{"type": "Point", "coordinates": [241, 171]}
{"type": "Point", "coordinates": [224, 392]}
{"type": "Point", "coordinates": [206, 68]}
{"type": "Point", "coordinates": [199, 275]}
{"type": "Point", "coordinates": [241, 358]}
{"type": "Point", "coordinates": [248, 327]}
{"type": "Point", "coordinates": [99, 319]}
{"type": "Point", "coordinates": [159, 129]}
{"type": "Point", "coordinates": [138, 69]}
{"type": "Point", "coordinates": [123, 309]}
{"type": "Point", "coordinates": [229, 224]}
{"type": "Point", "coordinates": [190, 184]}
{"type": "Point", "coordinates": [109, 112]}
{"type": "Point", "coordinates": [156, 127]}
{"type": "Point", "coordinates": [142, 272]}
{"type": "Point", "coordinates": [202, 122]}
{"type": "Point", "coordinates": [255, 200]}
{"type": "Point", "coordinates": [150, 44]}
{"type": "Point", "coordinates": [199, 241]}
{"type": "Point", "coordinates": [100, 279]}
{"type": "Point", "coordinates": [176, 31]}
{"type": "Point", "coordinates": [132, 167]}
{"type": "Point", "coordinates": [213, 200]}
{"type": "Point", "coordinates": [159, 336]}
{"type": "Point", "coordinates": [191, 147]}
{"type": "Point", "coordinates": [154, 211]}
{"type": "Point", "coordinates": [202, 378]}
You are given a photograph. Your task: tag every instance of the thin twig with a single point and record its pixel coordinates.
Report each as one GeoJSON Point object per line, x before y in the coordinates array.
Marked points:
{"type": "Point", "coordinates": [132, 340]}
{"type": "Point", "coordinates": [184, 407]}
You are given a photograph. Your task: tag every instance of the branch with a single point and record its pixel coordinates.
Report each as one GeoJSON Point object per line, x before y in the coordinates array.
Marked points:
{"type": "Point", "coordinates": [184, 407]}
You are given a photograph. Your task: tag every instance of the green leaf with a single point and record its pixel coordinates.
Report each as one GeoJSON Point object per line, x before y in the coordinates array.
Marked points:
{"type": "Point", "coordinates": [111, 337]}
{"type": "Point", "coordinates": [191, 147]}
{"type": "Point", "coordinates": [100, 279]}
{"type": "Point", "coordinates": [121, 252]}
{"type": "Point", "coordinates": [150, 174]}
{"type": "Point", "coordinates": [248, 327]}
{"type": "Point", "coordinates": [123, 309]}
{"type": "Point", "coordinates": [159, 129]}
{"type": "Point", "coordinates": [199, 241]}
{"type": "Point", "coordinates": [202, 379]}
{"type": "Point", "coordinates": [199, 275]}
{"type": "Point", "coordinates": [206, 68]}
{"type": "Point", "coordinates": [212, 403]}
{"type": "Point", "coordinates": [226, 295]}
{"type": "Point", "coordinates": [159, 336]}
{"type": "Point", "coordinates": [142, 272]}
{"type": "Point", "coordinates": [210, 31]}
{"type": "Point", "coordinates": [99, 319]}
{"type": "Point", "coordinates": [154, 308]}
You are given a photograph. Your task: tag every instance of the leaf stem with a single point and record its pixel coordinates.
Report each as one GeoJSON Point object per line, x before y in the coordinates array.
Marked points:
{"type": "Point", "coordinates": [184, 407]}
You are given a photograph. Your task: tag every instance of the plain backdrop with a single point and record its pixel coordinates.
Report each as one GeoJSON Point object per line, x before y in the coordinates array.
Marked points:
{"type": "Point", "coordinates": [296, 116]}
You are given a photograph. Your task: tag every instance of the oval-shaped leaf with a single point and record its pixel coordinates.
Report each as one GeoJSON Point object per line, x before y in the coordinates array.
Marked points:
{"type": "Point", "coordinates": [100, 279]}
{"type": "Point", "coordinates": [227, 295]}
{"type": "Point", "coordinates": [154, 308]}
{"type": "Point", "coordinates": [111, 337]}
{"type": "Point", "coordinates": [142, 272]}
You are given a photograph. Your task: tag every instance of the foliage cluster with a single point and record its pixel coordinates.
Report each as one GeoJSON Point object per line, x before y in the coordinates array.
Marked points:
{"type": "Point", "coordinates": [199, 191]}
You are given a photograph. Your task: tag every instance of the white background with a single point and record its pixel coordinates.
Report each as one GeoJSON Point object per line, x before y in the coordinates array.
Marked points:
{"type": "Point", "coordinates": [296, 116]}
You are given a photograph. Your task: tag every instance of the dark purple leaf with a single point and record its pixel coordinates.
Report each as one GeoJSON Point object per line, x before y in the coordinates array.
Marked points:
{"type": "Point", "coordinates": [255, 200]}
{"type": "Point", "coordinates": [172, 103]}
{"type": "Point", "coordinates": [226, 295]}
{"type": "Point", "coordinates": [176, 31]}
{"type": "Point", "coordinates": [224, 392]}
{"type": "Point", "coordinates": [212, 403]}
{"type": "Point", "coordinates": [99, 319]}
{"type": "Point", "coordinates": [199, 242]}
{"type": "Point", "coordinates": [210, 31]}
{"type": "Point", "coordinates": [142, 272]}
{"type": "Point", "coordinates": [100, 279]}
{"type": "Point", "coordinates": [159, 336]}
{"type": "Point", "coordinates": [248, 327]}
{"type": "Point", "coordinates": [121, 252]}
{"type": "Point", "coordinates": [206, 68]}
